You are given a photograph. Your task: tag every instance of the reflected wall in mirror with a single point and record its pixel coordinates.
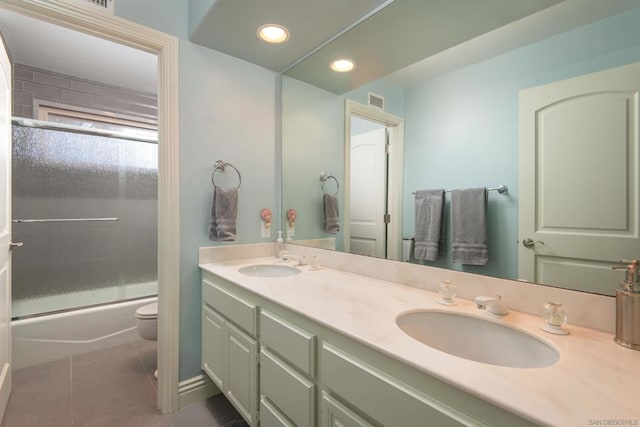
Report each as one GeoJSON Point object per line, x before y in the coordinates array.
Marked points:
{"type": "Point", "coordinates": [461, 130]}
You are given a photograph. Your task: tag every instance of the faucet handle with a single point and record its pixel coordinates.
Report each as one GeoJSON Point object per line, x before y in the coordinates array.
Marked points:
{"type": "Point", "coordinates": [482, 301]}
{"type": "Point", "coordinates": [492, 305]}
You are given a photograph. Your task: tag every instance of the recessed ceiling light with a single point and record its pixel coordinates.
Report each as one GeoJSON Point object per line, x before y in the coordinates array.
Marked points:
{"type": "Point", "coordinates": [273, 33]}
{"type": "Point", "coordinates": [343, 65]}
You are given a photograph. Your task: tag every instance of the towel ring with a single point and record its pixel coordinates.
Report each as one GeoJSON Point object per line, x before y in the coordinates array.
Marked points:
{"type": "Point", "coordinates": [324, 179]}
{"type": "Point", "coordinates": [219, 167]}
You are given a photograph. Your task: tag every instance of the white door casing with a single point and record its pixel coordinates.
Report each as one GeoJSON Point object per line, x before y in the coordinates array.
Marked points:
{"type": "Point", "coordinates": [581, 216]}
{"type": "Point", "coordinates": [5, 228]}
{"type": "Point", "coordinates": [368, 193]}
{"type": "Point", "coordinates": [165, 47]}
{"type": "Point", "coordinates": [395, 173]}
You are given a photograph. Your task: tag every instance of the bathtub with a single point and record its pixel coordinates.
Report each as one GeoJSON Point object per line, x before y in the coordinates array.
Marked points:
{"type": "Point", "coordinates": [40, 339]}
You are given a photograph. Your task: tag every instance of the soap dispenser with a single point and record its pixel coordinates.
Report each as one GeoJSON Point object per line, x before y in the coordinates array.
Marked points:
{"type": "Point", "coordinates": [279, 245]}
{"type": "Point", "coordinates": [628, 308]}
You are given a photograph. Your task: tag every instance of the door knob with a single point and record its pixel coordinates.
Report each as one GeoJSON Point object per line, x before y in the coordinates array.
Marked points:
{"type": "Point", "coordinates": [529, 243]}
{"type": "Point", "coordinates": [15, 245]}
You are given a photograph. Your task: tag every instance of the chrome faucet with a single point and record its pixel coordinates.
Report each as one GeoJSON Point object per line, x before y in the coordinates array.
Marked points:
{"type": "Point", "coordinates": [302, 260]}
{"type": "Point", "coordinates": [492, 305]}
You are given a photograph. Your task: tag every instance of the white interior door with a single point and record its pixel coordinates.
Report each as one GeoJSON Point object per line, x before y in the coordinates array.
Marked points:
{"type": "Point", "coordinates": [368, 193]}
{"type": "Point", "coordinates": [5, 229]}
{"type": "Point", "coordinates": [579, 217]}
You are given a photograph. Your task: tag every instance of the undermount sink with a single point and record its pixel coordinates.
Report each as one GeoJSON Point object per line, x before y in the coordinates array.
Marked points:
{"type": "Point", "coordinates": [477, 339]}
{"type": "Point", "coordinates": [269, 270]}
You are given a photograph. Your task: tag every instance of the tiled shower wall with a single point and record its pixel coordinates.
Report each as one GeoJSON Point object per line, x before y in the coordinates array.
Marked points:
{"type": "Point", "coordinates": [30, 83]}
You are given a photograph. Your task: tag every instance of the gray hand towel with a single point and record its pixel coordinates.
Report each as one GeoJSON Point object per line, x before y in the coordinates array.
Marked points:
{"type": "Point", "coordinates": [331, 218]}
{"type": "Point", "coordinates": [429, 228]}
{"type": "Point", "coordinates": [224, 210]}
{"type": "Point", "coordinates": [469, 226]}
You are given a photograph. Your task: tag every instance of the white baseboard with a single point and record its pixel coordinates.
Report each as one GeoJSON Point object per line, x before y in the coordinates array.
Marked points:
{"type": "Point", "coordinates": [195, 389]}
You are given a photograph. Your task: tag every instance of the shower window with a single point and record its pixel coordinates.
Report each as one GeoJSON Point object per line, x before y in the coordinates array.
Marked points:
{"type": "Point", "coordinates": [127, 127]}
{"type": "Point", "coordinates": [94, 199]}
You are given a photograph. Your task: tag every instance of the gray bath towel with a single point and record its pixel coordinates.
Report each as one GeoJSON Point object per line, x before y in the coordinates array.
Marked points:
{"type": "Point", "coordinates": [429, 228]}
{"type": "Point", "coordinates": [224, 210]}
{"type": "Point", "coordinates": [331, 217]}
{"type": "Point", "coordinates": [469, 226]}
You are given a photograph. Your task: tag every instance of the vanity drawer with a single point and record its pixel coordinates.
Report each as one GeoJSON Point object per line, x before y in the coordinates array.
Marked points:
{"type": "Point", "coordinates": [380, 396]}
{"type": "Point", "coordinates": [289, 391]}
{"type": "Point", "coordinates": [335, 414]}
{"type": "Point", "coordinates": [242, 313]}
{"type": "Point", "coordinates": [295, 345]}
{"type": "Point", "coordinates": [270, 416]}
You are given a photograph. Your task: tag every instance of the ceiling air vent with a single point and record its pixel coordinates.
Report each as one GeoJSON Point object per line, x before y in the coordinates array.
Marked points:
{"type": "Point", "coordinates": [376, 100]}
{"type": "Point", "coordinates": [95, 5]}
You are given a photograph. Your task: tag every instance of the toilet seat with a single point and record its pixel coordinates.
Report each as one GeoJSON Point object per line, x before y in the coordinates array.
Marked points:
{"type": "Point", "coordinates": [149, 311]}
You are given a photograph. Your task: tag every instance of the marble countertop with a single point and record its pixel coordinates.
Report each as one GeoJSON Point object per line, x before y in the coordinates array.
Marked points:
{"type": "Point", "coordinates": [595, 382]}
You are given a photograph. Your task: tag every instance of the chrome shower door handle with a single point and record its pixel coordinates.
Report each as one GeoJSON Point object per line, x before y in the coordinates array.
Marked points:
{"type": "Point", "coordinates": [15, 245]}
{"type": "Point", "coordinates": [529, 243]}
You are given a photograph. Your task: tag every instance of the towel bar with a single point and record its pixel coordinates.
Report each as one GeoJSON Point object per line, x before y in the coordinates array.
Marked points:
{"type": "Point", "coordinates": [25, 221]}
{"type": "Point", "coordinates": [502, 189]}
{"type": "Point", "coordinates": [219, 167]}
{"type": "Point", "coordinates": [324, 177]}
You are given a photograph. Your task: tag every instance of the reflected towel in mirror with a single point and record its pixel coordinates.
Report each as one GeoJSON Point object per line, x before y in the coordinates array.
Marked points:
{"type": "Point", "coordinates": [224, 210]}
{"type": "Point", "coordinates": [429, 227]}
{"type": "Point", "coordinates": [469, 226]}
{"type": "Point", "coordinates": [331, 218]}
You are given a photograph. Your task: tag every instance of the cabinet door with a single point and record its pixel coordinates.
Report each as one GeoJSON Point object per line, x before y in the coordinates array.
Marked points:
{"type": "Point", "coordinates": [240, 383]}
{"type": "Point", "coordinates": [213, 345]}
{"type": "Point", "coordinates": [335, 414]}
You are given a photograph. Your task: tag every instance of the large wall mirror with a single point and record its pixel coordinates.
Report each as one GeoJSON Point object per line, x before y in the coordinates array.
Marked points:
{"type": "Point", "coordinates": [461, 112]}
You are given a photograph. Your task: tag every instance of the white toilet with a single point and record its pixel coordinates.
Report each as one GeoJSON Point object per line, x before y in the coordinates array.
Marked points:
{"type": "Point", "coordinates": [147, 321]}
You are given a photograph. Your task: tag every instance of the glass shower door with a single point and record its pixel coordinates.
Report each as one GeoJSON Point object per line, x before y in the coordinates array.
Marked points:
{"type": "Point", "coordinates": [85, 207]}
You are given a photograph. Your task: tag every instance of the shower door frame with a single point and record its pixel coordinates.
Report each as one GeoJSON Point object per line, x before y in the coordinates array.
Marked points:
{"type": "Point", "coordinates": [165, 47]}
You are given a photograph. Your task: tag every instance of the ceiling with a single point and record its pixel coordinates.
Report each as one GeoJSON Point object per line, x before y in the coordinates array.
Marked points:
{"type": "Point", "coordinates": [407, 31]}
{"type": "Point", "coordinates": [384, 37]}
{"type": "Point", "coordinates": [230, 26]}
{"type": "Point", "coordinates": [565, 16]}
{"type": "Point", "coordinates": [50, 47]}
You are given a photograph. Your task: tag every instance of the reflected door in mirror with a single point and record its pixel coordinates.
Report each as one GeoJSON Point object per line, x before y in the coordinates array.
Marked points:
{"type": "Point", "coordinates": [368, 193]}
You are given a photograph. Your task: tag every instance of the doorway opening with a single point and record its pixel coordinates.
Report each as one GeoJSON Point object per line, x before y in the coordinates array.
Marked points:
{"type": "Point", "coordinates": [164, 48]}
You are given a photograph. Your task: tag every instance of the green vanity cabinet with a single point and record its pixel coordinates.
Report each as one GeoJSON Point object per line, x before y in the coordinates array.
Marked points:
{"type": "Point", "coordinates": [282, 369]}
{"type": "Point", "coordinates": [335, 414]}
{"type": "Point", "coordinates": [287, 371]}
{"type": "Point", "coordinates": [212, 344]}
{"type": "Point", "coordinates": [379, 395]}
{"type": "Point", "coordinates": [270, 416]}
{"type": "Point", "coordinates": [229, 347]}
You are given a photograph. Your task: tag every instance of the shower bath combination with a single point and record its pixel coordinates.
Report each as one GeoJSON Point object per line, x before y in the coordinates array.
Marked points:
{"type": "Point", "coordinates": [84, 202]}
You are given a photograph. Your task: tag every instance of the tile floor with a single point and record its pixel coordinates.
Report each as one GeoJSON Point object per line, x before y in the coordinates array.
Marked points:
{"type": "Point", "coordinates": [112, 387]}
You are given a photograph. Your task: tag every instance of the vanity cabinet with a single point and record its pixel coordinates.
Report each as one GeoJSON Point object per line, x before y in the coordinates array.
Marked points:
{"type": "Point", "coordinates": [270, 416]}
{"type": "Point", "coordinates": [229, 347]}
{"type": "Point", "coordinates": [282, 369]}
{"type": "Point", "coordinates": [379, 395]}
{"type": "Point", "coordinates": [335, 414]}
{"type": "Point", "coordinates": [213, 344]}
{"type": "Point", "coordinates": [287, 369]}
